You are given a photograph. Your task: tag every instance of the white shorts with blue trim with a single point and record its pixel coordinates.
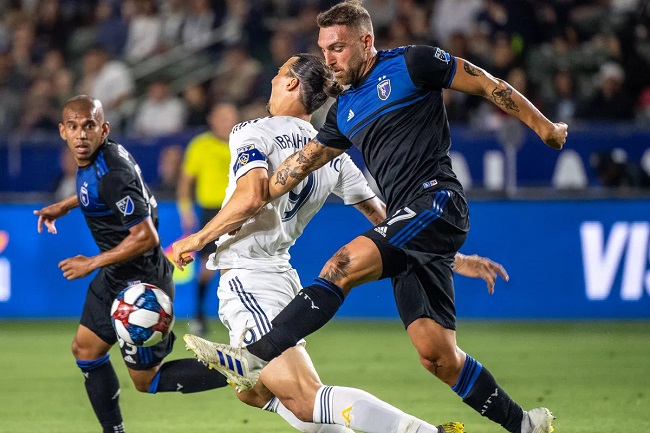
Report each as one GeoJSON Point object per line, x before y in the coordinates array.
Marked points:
{"type": "Point", "coordinates": [249, 300]}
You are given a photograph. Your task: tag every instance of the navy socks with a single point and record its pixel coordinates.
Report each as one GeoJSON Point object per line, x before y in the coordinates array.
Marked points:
{"type": "Point", "coordinates": [479, 390]}
{"type": "Point", "coordinates": [103, 391]}
{"type": "Point", "coordinates": [312, 308]}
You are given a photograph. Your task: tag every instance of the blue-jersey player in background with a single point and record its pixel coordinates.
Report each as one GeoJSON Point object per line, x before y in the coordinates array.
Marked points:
{"type": "Point", "coordinates": [393, 112]}
{"type": "Point", "coordinates": [122, 216]}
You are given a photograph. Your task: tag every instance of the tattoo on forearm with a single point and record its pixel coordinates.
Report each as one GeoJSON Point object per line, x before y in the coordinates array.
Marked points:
{"type": "Point", "coordinates": [503, 97]}
{"type": "Point", "coordinates": [472, 70]}
{"type": "Point", "coordinates": [337, 267]}
{"type": "Point", "coordinates": [302, 159]}
{"type": "Point", "coordinates": [367, 210]}
{"type": "Point", "coordinates": [281, 176]}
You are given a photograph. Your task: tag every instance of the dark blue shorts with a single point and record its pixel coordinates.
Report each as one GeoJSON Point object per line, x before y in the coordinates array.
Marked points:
{"type": "Point", "coordinates": [417, 244]}
{"type": "Point", "coordinates": [96, 316]}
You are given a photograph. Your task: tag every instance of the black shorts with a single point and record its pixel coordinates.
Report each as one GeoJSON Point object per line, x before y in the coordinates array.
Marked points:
{"type": "Point", "coordinates": [206, 216]}
{"type": "Point", "coordinates": [96, 316]}
{"type": "Point", "coordinates": [417, 244]}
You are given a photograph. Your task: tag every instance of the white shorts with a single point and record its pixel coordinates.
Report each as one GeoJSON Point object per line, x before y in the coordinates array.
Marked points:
{"type": "Point", "coordinates": [249, 300]}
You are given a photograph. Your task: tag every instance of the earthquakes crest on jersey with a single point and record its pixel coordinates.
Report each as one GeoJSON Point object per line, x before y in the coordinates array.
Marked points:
{"type": "Point", "coordinates": [125, 205]}
{"type": "Point", "coordinates": [383, 88]}
{"type": "Point", "coordinates": [83, 195]}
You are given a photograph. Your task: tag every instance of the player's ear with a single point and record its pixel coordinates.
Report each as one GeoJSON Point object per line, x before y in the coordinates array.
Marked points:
{"type": "Point", "coordinates": [106, 128]}
{"type": "Point", "coordinates": [293, 83]}
{"type": "Point", "coordinates": [367, 40]}
{"type": "Point", "coordinates": [62, 131]}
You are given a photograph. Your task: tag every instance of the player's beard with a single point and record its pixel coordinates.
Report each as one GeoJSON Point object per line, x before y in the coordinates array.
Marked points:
{"type": "Point", "coordinates": [352, 74]}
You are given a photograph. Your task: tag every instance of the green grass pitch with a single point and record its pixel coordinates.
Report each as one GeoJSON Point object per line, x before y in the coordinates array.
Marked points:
{"type": "Point", "coordinates": [592, 375]}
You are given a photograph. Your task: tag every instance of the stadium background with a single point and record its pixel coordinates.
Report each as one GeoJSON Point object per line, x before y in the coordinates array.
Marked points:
{"type": "Point", "coordinates": [571, 227]}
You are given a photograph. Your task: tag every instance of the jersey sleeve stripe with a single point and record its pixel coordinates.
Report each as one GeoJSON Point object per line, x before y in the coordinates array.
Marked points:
{"type": "Point", "coordinates": [453, 72]}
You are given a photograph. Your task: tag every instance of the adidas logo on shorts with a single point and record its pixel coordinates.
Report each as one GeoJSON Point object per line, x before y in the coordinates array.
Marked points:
{"type": "Point", "coordinates": [381, 230]}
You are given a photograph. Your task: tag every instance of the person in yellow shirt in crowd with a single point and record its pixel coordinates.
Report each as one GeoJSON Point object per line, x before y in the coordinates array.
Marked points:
{"type": "Point", "coordinates": [203, 179]}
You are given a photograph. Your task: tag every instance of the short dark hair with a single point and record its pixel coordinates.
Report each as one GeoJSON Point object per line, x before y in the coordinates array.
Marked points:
{"type": "Point", "coordinates": [317, 82]}
{"type": "Point", "coordinates": [349, 13]}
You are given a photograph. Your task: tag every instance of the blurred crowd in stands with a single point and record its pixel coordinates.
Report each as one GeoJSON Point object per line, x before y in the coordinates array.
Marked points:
{"type": "Point", "coordinates": [158, 65]}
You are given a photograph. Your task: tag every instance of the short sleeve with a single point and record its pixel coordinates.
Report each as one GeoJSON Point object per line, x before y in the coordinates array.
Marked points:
{"type": "Point", "coordinates": [430, 68]}
{"type": "Point", "coordinates": [124, 193]}
{"type": "Point", "coordinates": [248, 152]}
{"type": "Point", "coordinates": [329, 134]}
{"type": "Point", "coordinates": [352, 186]}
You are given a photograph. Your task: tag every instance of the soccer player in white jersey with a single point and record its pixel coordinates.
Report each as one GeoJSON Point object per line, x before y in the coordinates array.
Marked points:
{"type": "Point", "coordinates": [257, 279]}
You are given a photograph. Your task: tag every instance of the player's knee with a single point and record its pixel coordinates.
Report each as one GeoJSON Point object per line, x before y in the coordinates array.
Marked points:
{"type": "Point", "coordinates": [83, 352]}
{"type": "Point", "coordinates": [444, 364]}
{"type": "Point", "coordinates": [141, 385]}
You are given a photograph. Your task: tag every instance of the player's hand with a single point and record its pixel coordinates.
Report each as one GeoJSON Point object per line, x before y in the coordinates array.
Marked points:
{"type": "Point", "coordinates": [181, 250]}
{"type": "Point", "coordinates": [556, 137]}
{"type": "Point", "coordinates": [48, 216]}
{"type": "Point", "coordinates": [475, 266]}
{"type": "Point", "coordinates": [76, 267]}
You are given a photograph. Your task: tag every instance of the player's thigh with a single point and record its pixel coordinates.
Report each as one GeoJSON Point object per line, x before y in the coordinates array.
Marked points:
{"type": "Point", "coordinates": [428, 291]}
{"type": "Point", "coordinates": [431, 227]}
{"type": "Point", "coordinates": [95, 334]}
{"type": "Point", "coordinates": [249, 300]}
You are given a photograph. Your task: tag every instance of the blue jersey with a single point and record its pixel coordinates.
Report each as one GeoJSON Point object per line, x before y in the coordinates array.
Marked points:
{"type": "Point", "coordinates": [396, 117]}
{"type": "Point", "coordinates": [113, 198]}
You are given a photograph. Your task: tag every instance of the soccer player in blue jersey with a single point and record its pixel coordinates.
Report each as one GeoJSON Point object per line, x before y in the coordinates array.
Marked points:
{"type": "Point", "coordinates": [122, 216]}
{"type": "Point", "coordinates": [393, 112]}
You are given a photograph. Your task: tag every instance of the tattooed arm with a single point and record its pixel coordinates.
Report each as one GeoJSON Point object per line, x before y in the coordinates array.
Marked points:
{"type": "Point", "coordinates": [298, 166]}
{"type": "Point", "coordinates": [473, 80]}
{"type": "Point", "coordinates": [374, 209]}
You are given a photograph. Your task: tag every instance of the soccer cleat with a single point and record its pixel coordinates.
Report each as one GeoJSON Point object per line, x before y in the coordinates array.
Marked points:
{"type": "Point", "coordinates": [537, 420]}
{"type": "Point", "coordinates": [240, 367]}
{"type": "Point", "coordinates": [451, 427]}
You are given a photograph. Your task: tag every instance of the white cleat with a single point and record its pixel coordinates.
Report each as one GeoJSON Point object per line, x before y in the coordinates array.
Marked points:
{"type": "Point", "coordinates": [537, 420]}
{"type": "Point", "coordinates": [241, 368]}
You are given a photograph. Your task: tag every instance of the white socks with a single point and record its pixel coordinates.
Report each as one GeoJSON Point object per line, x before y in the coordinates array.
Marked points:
{"type": "Point", "coordinates": [361, 411]}
{"type": "Point", "coordinates": [308, 427]}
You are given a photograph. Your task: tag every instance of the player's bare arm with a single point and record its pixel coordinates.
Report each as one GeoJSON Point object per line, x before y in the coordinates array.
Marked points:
{"type": "Point", "coordinates": [141, 238]}
{"type": "Point", "coordinates": [250, 195]}
{"type": "Point", "coordinates": [475, 266]}
{"type": "Point", "coordinates": [49, 214]}
{"type": "Point", "coordinates": [374, 209]}
{"type": "Point", "coordinates": [476, 81]}
{"type": "Point", "coordinates": [295, 168]}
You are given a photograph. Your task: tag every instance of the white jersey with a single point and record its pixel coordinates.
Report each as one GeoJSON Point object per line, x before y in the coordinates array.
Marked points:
{"type": "Point", "coordinates": [264, 240]}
